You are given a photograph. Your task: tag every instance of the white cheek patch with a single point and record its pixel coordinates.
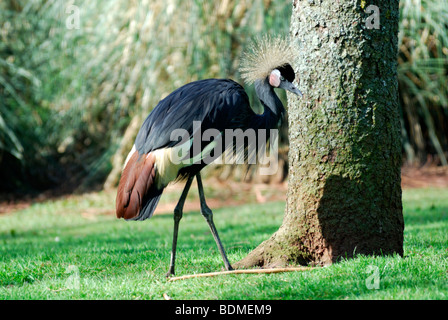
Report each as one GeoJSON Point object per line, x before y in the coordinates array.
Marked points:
{"type": "Point", "coordinates": [274, 78]}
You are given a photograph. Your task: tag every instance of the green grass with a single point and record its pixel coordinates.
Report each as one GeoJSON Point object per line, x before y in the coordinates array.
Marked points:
{"type": "Point", "coordinates": [75, 249]}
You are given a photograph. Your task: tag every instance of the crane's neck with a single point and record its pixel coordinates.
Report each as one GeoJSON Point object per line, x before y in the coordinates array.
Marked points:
{"type": "Point", "coordinates": [273, 107]}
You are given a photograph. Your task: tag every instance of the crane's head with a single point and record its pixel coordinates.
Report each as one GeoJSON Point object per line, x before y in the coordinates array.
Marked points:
{"type": "Point", "coordinates": [270, 58]}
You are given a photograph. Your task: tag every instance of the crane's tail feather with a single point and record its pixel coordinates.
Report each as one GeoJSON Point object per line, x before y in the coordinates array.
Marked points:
{"type": "Point", "coordinates": [150, 205]}
{"type": "Point", "coordinates": [138, 195]}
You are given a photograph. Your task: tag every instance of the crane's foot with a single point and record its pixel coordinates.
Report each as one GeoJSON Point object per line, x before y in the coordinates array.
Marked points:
{"type": "Point", "coordinates": [169, 274]}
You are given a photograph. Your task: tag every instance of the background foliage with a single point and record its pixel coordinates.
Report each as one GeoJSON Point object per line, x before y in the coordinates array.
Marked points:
{"type": "Point", "coordinates": [68, 95]}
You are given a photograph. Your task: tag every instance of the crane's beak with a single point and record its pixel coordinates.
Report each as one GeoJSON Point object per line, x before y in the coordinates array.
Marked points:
{"type": "Point", "coordinates": [292, 88]}
{"type": "Point", "coordinates": [296, 91]}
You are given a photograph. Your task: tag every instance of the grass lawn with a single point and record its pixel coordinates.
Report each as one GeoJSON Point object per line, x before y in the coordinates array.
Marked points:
{"type": "Point", "coordinates": [74, 248]}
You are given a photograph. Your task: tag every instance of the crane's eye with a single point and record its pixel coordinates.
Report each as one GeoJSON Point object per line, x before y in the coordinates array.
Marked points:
{"type": "Point", "coordinates": [282, 78]}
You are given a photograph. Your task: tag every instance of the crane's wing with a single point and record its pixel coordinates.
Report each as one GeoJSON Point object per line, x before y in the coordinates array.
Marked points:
{"type": "Point", "coordinates": [216, 103]}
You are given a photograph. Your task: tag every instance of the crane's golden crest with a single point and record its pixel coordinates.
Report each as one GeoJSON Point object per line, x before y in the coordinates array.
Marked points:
{"type": "Point", "coordinates": [265, 55]}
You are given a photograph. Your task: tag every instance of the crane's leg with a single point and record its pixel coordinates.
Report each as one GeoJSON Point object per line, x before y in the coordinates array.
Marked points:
{"type": "Point", "coordinates": [208, 215]}
{"type": "Point", "coordinates": [177, 216]}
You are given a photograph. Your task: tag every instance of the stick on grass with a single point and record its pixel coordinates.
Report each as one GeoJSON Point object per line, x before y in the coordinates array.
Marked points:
{"type": "Point", "coordinates": [248, 271]}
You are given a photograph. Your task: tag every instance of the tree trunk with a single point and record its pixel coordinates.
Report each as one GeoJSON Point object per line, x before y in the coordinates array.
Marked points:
{"type": "Point", "coordinates": [344, 193]}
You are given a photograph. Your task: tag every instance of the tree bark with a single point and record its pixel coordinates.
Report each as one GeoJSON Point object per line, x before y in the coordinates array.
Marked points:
{"type": "Point", "coordinates": [344, 192]}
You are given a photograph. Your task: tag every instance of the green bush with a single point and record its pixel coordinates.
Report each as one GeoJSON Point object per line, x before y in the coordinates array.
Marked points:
{"type": "Point", "coordinates": [69, 88]}
{"type": "Point", "coordinates": [422, 74]}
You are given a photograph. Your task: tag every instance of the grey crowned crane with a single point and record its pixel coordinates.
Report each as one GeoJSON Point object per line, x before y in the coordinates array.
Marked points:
{"type": "Point", "coordinates": [217, 104]}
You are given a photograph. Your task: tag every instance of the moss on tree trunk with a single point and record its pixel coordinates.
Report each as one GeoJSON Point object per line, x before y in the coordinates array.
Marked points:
{"type": "Point", "coordinates": [344, 193]}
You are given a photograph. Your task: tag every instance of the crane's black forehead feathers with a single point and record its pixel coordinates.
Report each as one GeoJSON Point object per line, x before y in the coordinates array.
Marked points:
{"type": "Point", "coordinates": [287, 72]}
